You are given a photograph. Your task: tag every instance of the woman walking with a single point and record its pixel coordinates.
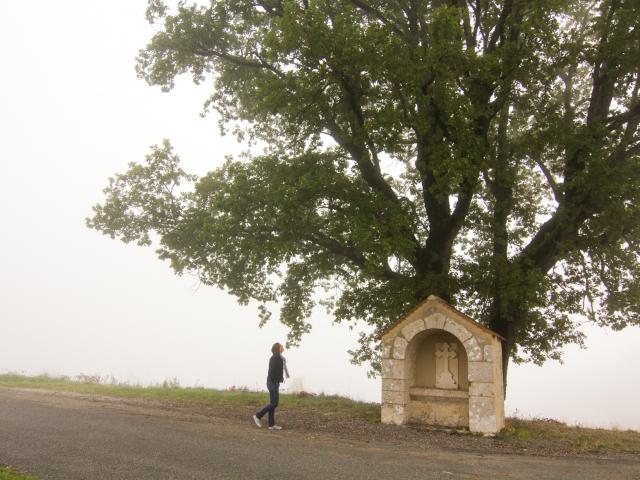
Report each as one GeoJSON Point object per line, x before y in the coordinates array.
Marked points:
{"type": "Point", "coordinates": [277, 367]}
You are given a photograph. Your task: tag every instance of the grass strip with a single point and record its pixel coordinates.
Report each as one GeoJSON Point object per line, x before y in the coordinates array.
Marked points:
{"type": "Point", "coordinates": [572, 438]}
{"type": "Point", "coordinates": [170, 393]}
{"type": "Point", "coordinates": [10, 474]}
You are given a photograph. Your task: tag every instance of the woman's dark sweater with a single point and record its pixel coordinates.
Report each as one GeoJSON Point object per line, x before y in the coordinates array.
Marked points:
{"type": "Point", "coordinates": [276, 367]}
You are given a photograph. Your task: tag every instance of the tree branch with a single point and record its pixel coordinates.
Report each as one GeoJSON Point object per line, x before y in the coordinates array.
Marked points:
{"type": "Point", "coordinates": [567, 96]}
{"type": "Point", "coordinates": [358, 144]}
{"type": "Point", "coordinates": [553, 239]}
{"type": "Point", "coordinates": [376, 13]}
{"type": "Point", "coordinates": [557, 192]}
{"type": "Point", "coordinates": [620, 119]}
{"type": "Point", "coordinates": [361, 156]}
{"type": "Point", "coordinates": [239, 61]}
{"type": "Point", "coordinates": [350, 254]}
{"type": "Point", "coordinates": [498, 31]}
{"type": "Point", "coordinates": [273, 9]}
{"type": "Point", "coordinates": [469, 36]}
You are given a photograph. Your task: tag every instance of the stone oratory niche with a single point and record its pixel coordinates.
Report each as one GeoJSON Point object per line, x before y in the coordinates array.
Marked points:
{"type": "Point", "coordinates": [441, 368]}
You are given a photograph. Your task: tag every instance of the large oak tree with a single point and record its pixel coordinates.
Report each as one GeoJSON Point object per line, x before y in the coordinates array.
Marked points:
{"type": "Point", "coordinates": [485, 151]}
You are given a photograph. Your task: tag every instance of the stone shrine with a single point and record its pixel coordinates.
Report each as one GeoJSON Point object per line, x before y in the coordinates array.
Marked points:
{"type": "Point", "coordinates": [440, 367]}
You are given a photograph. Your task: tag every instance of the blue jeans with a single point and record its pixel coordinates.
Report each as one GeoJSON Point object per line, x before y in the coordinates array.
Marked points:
{"type": "Point", "coordinates": [274, 398]}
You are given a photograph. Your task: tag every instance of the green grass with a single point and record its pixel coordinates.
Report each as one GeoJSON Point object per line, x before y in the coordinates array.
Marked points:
{"type": "Point", "coordinates": [558, 435]}
{"type": "Point", "coordinates": [172, 393]}
{"type": "Point", "coordinates": [10, 474]}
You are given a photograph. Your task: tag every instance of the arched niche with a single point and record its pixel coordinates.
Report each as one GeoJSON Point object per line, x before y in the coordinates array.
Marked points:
{"type": "Point", "coordinates": [437, 385]}
{"type": "Point", "coordinates": [422, 361]}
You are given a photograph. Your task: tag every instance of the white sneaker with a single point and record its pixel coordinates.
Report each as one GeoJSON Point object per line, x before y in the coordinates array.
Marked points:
{"type": "Point", "coordinates": [257, 422]}
{"type": "Point", "coordinates": [275, 427]}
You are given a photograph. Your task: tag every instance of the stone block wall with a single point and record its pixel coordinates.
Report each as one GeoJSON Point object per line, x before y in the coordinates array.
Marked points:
{"type": "Point", "coordinates": [483, 350]}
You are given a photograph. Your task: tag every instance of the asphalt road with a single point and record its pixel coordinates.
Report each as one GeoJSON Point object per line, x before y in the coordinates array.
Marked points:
{"type": "Point", "coordinates": [62, 436]}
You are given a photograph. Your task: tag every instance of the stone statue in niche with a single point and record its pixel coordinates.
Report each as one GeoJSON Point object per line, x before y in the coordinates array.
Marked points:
{"type": "Point", "coordinates": [447, 365]}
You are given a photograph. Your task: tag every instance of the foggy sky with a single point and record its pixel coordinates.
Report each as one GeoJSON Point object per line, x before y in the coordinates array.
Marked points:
{"type": "Point", "coordinates": [73, 301]}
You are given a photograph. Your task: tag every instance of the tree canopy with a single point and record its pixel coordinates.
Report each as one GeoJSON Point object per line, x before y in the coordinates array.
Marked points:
{"type": "Point", "coordinates": [485, 151]}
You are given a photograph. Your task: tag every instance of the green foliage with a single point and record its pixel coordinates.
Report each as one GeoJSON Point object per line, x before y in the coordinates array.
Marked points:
{"type": "Point", "coordinates": [486, 152]}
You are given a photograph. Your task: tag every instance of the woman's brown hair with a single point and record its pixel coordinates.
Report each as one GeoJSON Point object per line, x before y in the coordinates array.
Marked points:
{"type": "Point", "coordinates": [276, 348]}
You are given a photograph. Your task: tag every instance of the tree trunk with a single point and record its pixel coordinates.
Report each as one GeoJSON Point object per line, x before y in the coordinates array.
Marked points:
{"type": "Point", "coordinates": [501, 186]}
{"type": "Point", "coordinates": [505, 327]}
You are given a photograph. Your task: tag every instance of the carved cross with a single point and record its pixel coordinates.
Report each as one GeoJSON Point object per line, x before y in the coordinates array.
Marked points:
{"type": "Point", "coordinates": [445, 378]}
{"type": "Point", "coordinates": [445, 351]}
